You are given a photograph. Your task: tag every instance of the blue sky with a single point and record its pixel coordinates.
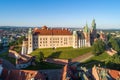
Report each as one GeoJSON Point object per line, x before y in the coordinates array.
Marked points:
{"type": "Point", "coordinates": [62, 13]}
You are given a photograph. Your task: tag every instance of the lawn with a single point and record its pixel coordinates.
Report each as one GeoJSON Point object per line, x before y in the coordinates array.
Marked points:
{"type": "Point", "coordinates": [62, 53]}
{"type": "Point", "coordinates": [44, 65]}
{"type": "Point", "coordinates": [101, 57]}
{"type": "Point", "coordinates": [96, 60]}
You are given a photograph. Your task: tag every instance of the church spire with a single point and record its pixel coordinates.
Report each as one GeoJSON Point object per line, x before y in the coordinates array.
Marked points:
{"type": "Point", "coordinates": [86, 29]}
{"type": "Point", "coordinates": [93, 24]}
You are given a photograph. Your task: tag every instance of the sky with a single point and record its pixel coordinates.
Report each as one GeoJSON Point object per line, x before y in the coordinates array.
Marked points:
{"type": "Point", "coordinates": [60, 13]}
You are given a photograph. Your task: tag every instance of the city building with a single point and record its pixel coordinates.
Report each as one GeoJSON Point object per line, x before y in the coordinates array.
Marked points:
{"type": "Point", "coordinates": [4, 41]}
{"type": "Point", "coordinates": [70, 72]}
{"type": "Point", "coordinates": [58, 37]}
{"type": "Point", "coordinates": [22, 61]}
{"type": "Point", "coordinates": [6, 74]}
{"type": "Point", "coordinates": [100, 73]}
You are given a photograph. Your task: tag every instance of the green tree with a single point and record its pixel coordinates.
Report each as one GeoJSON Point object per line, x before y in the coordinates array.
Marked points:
{"type": "Point", "coordinates": [114, 43]}
{"type": "Point", "coordinates": [109, 36]}
{"type": "Point", "coordinates": [113, 62]}
{"type": "Point", "coordinates": [20, 40]}
{"type": "Point", "coordinates": [98, 47]}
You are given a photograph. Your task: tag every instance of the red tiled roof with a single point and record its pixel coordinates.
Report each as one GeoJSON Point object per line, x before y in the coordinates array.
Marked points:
{"type": "Point", "coordinates": [21, 75]}
{"type": "Point", "coordinates": [114, 74]}
{"type": "Point", "coordinates": [54, 31]}
{"type": "Point", "coordinates": [68, 70]}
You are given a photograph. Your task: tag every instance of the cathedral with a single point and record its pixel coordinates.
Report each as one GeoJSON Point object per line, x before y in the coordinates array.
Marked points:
{"type": "Point", "coordinates": [45, 37]}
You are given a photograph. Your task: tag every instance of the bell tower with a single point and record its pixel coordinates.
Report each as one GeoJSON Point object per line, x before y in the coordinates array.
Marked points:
{"type": "Point", "coordinates": [86, 33]}
{"type": "Point", "coordinates": [93, 31]}
{"type": "Point", "coordinates": [30, 41]}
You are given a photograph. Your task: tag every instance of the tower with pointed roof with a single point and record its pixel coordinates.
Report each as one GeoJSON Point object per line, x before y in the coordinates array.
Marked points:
{"type": "Point", "coordinates": [30, 41]}
{"type": "Point", "coordinates": [93, 33]}
{"type": "Point", "coordinates": [86, 32]}
{"type": "Point", "coordinates": [93, 25]}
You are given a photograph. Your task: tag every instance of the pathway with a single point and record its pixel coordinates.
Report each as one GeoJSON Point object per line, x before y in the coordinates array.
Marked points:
{"type": "Point", "coordinates": [111, 52]}
{"type": "Point", "coordinates": [83, 57]}
{"type": "Point", "coordinates": [17, 54]}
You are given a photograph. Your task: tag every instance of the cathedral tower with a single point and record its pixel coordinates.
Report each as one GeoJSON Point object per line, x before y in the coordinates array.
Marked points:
{"type": "Point", "coordinates": [93, 34]}
{"type": "Point", "coordinates": [30, 41]}
{"type": "Point", "coordinates": [86, 33]}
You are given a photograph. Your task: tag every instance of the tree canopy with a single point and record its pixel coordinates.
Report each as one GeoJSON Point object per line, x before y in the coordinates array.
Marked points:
{"type": "Point", "coordinates": [98, 47]}
{"type": "Point", "coordinates": [115, 44]}
{"type": "Point", "coordinates": [113, 62]}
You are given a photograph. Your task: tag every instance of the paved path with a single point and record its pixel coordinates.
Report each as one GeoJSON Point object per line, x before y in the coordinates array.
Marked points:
{"type": "Point", "coordinates": [83, 57]}
{"type": "Point", "coordinates": [53, 74]}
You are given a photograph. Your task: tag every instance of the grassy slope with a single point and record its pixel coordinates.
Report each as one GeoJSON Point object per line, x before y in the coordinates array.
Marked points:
{"type": "Point", "coordinates": [101, 57]}
{"type": "Point", "coordinates": [96, 60]}
{"type": "Point", "coordinates": [63, 53]}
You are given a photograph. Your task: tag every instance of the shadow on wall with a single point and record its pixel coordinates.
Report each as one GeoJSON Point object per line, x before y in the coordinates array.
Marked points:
{"type": "Point", "coordinates": [55, 54]}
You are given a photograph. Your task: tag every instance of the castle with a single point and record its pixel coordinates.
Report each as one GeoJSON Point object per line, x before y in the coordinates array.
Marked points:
{"type": "Point", "coordinates": [58, 37]}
